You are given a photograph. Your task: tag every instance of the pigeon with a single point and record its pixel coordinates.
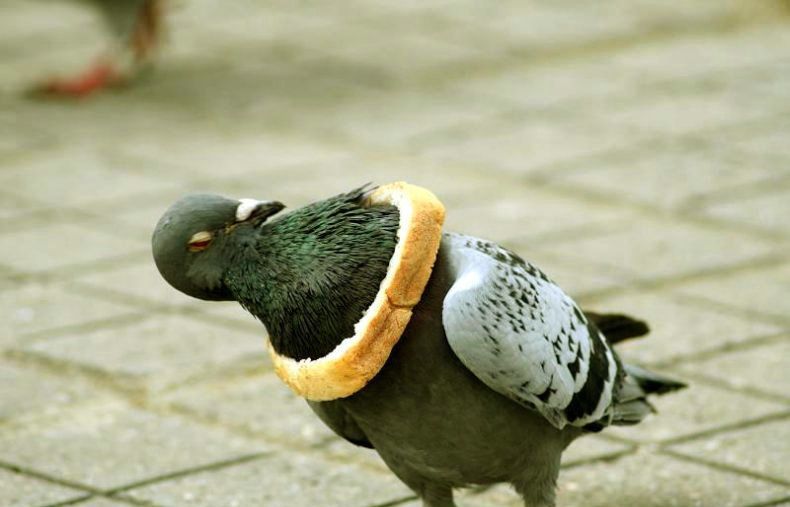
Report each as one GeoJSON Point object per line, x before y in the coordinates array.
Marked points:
{"type": "Point", "coordinates": [460, 363]}
{"type": "Point", "coordinates": [136, 26]}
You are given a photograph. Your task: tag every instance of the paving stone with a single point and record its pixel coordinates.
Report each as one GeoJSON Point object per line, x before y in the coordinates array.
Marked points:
{"type": "Point", "coordinates": [261, 404]}
{"type": "Point", "coordinates": [652, 480]}
{"type": "Point", "coordinates": [287, 478]}
{"type": "Point", "coordinates": [679, 327]}
{"type": "Point", "coordinates": [703, 110]}
{"type": "Point", "coordinates": [139, 284]}
{"type": "Point", "coordinates": [519, 213]}
{"type": "Point", "coordinates": [528, 144]}
{"type": "Point", "coordinates": [411, 52]}
{"type": "Point", "coordinates": [405, 119]}
{"type": "Point", "coordinates": [761, 449]}
{"type": "Point", "coordinates": [101, 502]}
{"type": "Point", "coordinates": [35, 308]}
{"type": "Point", "coordinates": [23, 491]}
{"type": "Point", "coordinates": [108, 178]}
{"type": "Point", "coordinates": [590, 448]}
{"type": "Point", "coordinates": [554, 87]}
{"type": "Point", "coordinates": [698, 408]}
{"type": "Point", "coordinates": [765, 368]}
{"type": "Point", "coordinates": [762, 290]}
{"type": "Point", "coordinates": [234, 155]}
{"type": "Point", "coordinates": [29, 392]}
{"type": "Point", "coordinates": [672, 247]}
{"type": "Point", "coordinates": [109, 445]}
{"type": "Point", "coordinates": [703, 54]}
{"type": "Point", "coordinates": [767, 210]}
{"type": "Point", "coordinates": [156, 352]}
{"type": "Point", "coordinates": [676, 178]}
{"type": "Point", "coordinates": [57, 246]}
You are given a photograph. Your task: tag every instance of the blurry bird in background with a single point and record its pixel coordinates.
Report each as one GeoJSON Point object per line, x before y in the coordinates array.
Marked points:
{"type": "Point", "coordinates": [136, 27]}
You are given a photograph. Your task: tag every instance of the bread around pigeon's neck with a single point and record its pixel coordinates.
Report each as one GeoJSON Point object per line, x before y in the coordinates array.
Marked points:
{"type": "Point", "coordinates": [310, 276]}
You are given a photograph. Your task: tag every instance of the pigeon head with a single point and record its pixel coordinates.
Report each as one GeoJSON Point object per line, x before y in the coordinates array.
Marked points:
{"type": "Point", "coordinates": [197, 236]}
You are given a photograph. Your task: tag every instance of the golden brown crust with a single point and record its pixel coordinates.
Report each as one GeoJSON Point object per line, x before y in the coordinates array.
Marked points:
{"type": "Point", "coordinates": [357, 359]}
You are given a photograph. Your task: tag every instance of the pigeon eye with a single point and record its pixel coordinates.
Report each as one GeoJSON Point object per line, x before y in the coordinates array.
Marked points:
{"type": "Point", "coordinates": [199, 241]}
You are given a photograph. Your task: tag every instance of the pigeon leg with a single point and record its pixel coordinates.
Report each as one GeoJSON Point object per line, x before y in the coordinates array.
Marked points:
{"type": "Point", "coordinates": [434, 495]}
{"type": "Point", "coordinates": [101, 74]}
{"type": "Point", "coordinates": [138, 48]}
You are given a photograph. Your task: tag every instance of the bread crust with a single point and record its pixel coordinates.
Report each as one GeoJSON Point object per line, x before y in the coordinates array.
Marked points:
{"type": "Point", "coordinates": [357, 359]}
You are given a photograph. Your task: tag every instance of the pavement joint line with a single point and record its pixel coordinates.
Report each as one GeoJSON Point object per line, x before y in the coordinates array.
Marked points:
{"type": "Point", "coordinates": [773, 318]}
{"type": "Point", "coordinates": [396, 502]}
{"type": "Point", "coordinates": [71, 501]}
{"type": "Point", "coordinates": [77, 269]}
{"type": "Point", "coordinates": [742, 192]}
{"type": "Point", "coordinates": [609, 457]}
{"type": "Point", "coordinates": [217, 465]}
{"type": "Point", "coordinates": [711, 353]}
{"type": "Point", "coordinates": [547, 173]}
{"type": "Point", "coordinates": [58, 332]}
{"type": "Point", "coordinates": [784, 500]}
{"type": "Point", "coordinates": [694, 216]}
{"type": "Point", "coordinates": [726, 428]}
{"type": "Point", "coordinates": [549, 55]}
{"type": "Point", "coordinates": [724, 467]}
{"type": "Point", "coordinates": [514, 112]}
{"type": "Point", "coordinates": [740, 389]}
{"type": "Point", "coordinates": [615, 200]}
{"type": "Point", "coordinates": [770, 259]}
{"type": "Point", "coordinates": [22, 470]}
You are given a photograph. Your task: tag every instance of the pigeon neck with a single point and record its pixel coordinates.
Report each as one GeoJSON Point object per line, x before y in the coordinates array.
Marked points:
{"type": "Point", "coordinates": [311, 275]}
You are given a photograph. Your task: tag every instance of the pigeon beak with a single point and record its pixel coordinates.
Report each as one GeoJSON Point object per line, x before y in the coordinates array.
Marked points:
{"type": "Point", "coordinates": [252, 209]}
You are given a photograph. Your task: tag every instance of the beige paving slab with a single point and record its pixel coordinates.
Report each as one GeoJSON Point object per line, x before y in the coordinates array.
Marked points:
{"type": "Point", "coordinates": [761, 449]}
{"type": "Point", "coordinates": [699, 408]}
{"type": "Point", "coordinates": [110, 445]}
{"type": "Point", "coordinates": [761, 290]}
{"type": "Point", "coordinates": [38, 307]}
{"type": "Point", "coordinates": [767, 210]}
{"type": "Point", "coordinates": [405, 120]}
{"type": "Point", "coordinates": [678, 177]}
{"type": "Point", "coordinates": [23, 491]}
{"type": "Point", "coordinates": [679, 327]}
{"type": "Point", "coordinates": [206, 153]}
{"type": "Point", "coordinates": [260, 404]}
{"type": "Point", "coordinates": [518, 213]}
{"type": "Point", "coordinates": [58, 246]}
{"type": "Point", "coordinates": [155, 353]}
{"type": "Point", "coordinates": [286, 478]}
{"type": "Point", "coordinates": [590, 448]}
{"type": "Point", "coordinates": [528, 144]}
{"type": "Point", "coordinates": [764, 367]}
{"type": "Point", "coordinates": [651, 247]}
{"type": "Point", "coordinates": [27, 391]}
{"type": "Point", "coordinates": [551, 87]}
{"type": "Point", "coordinates": [648, 479]}
{"type": "Point", "coordinates": [101, 178]}
{"type": "Point", "coordinates": [139, 284]}
{"type": "Point", "coordinates": [698, 54]}
{"type": "Point", "coordinates": [101, 502]}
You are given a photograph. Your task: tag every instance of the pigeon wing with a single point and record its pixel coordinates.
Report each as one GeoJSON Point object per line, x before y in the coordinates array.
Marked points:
{"type": "Point", "coordinates": [522, 336]}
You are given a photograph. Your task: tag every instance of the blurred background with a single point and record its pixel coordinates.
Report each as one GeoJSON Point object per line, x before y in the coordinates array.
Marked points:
{"type": "Point", "coordinates": [638, 151]}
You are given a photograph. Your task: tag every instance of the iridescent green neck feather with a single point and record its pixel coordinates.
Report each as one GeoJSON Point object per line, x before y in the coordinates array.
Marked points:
{"type": "Point", "coordinates": [310, 276]}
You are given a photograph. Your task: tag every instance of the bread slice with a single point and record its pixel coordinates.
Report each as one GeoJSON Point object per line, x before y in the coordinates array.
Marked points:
{"type": "Point", "coordinates": [357, 359]}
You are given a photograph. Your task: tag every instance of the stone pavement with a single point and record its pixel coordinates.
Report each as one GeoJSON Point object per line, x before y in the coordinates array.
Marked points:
{"type": "Point", "coordinates": [638, 150]}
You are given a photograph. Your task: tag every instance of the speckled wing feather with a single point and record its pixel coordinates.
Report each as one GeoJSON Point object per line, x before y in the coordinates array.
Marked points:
{"type": "Point", "coordinates": [521, 335]}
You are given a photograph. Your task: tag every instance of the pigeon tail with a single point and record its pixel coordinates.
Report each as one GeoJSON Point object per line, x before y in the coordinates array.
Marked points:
{"type": "Point", "coordinates": [617, 327]}
{"type": "Point", "coordinates": [632, 405]}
